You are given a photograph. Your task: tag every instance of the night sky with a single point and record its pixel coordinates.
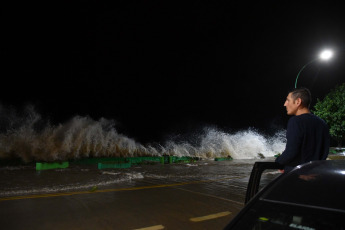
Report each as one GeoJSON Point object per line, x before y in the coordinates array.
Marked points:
{"type": "Point", "coordinates": [161, 68]}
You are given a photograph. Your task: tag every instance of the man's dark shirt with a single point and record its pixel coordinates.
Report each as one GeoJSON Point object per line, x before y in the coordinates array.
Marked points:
{"type": "Point", "coordinates": [307, 140]}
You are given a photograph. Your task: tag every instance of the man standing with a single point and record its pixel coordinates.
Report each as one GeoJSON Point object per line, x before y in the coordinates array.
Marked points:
{"type": "Point", "coordinates": [307, 135]}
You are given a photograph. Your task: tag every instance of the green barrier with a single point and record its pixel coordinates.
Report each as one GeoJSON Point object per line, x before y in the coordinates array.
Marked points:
{"type": "Point", "coordinates": [144, 160]}
{"type": "Point", "coordinates": [223, 158]}
{"type": "Point", "coordinates": [174, 159]}
{"type": "Point", "coordinates": [336, 150]}
{"type": "Point", "coordinates": [332, 151]}
{"type": "Point", "coordinates": [134, 160]}
{"type": "Point", "coordinates": [110, 165]}
{"type": "Point", "coordinates": [166, 159]}
{"type": "Point", "coordinates": [183, 159]}
{"type": "Point", "coordinates": [55, 165]}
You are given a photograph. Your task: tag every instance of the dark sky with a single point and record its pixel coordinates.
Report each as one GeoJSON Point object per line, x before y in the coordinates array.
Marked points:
{"type": "Point", "coordinates": [163, 67]}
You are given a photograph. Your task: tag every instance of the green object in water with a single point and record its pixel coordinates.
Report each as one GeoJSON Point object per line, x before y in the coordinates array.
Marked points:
{"type": "Point", "coordinates": [263, 219]}
{"type": "Point", "coordinates": [94, 188]}
{"type": "Point", "coordinates": [223, 158]}
{"type": "Point", "coordinates": [54, 165]}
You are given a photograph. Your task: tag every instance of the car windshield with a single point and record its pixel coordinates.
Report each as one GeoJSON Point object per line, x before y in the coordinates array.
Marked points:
{"type": "Point", "coordinates": [267, 215]}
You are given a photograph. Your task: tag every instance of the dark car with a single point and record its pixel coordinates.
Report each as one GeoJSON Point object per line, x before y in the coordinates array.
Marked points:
{"type": "Point", "coordinates": [311, 196]}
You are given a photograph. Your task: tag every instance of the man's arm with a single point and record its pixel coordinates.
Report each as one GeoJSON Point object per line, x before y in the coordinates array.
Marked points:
{"type": "Point", "coordinates": [294, 139]}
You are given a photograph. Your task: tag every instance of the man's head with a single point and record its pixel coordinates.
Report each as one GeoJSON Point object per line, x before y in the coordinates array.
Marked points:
{"type": "Point", "coordinates": [298, 101]}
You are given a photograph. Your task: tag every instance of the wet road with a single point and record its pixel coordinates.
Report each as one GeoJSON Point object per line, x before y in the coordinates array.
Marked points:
{"type": "Point", "coordinates": [203, 195]}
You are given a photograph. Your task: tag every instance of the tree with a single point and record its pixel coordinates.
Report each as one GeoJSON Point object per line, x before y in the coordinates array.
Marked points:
{"type": "Point", "coordinates": [332, 110]}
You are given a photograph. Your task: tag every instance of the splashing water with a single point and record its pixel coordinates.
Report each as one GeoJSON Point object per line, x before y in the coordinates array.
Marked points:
{"type": "Point", "coordinates": [84, 137]}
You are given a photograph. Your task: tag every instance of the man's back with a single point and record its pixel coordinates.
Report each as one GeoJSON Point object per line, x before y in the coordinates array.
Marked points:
{"type": "Point", "coordinates": [315, 144]}
{"type": "Point", "coordinates": [307, 140]}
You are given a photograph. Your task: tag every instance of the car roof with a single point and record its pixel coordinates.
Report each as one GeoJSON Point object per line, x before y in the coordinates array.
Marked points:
{"type": "Point", "coordinates": [319, 184]}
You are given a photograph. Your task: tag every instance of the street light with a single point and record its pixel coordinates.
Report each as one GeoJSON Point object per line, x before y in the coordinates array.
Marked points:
{"type": "Point", "coordinates": [324, 56]}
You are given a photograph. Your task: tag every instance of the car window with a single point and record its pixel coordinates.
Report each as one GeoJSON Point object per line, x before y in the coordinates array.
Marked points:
{"type": "Point", "coordinates": [268, 176]}
{"type": "Point", "coordinates": [267, 215]}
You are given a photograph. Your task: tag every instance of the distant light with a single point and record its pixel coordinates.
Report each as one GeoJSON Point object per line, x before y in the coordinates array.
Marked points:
{"type": "Point", "coordinates": [327, 54]}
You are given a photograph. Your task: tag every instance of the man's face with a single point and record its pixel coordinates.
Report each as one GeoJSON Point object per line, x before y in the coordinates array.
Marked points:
{"type": "Point", "coordinates": [291, 105]}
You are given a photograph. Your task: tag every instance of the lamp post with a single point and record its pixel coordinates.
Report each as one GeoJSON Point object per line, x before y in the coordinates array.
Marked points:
{"type": "Point", "coordinates": [324, 56]}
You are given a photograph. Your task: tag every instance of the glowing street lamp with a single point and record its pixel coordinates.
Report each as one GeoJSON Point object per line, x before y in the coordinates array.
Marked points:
{"type": "Point", "coordinates": [324, 56]}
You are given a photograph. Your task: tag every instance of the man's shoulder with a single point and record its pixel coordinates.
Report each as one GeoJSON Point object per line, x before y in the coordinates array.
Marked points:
{"type": "Point", "coordinates": [316, 118]}
{"type": "Point", "coordinates": [308, 117]}
{"type": "Point", "coordinates": [294, 123]}
{"type": "Point", "coordinates": [295, 119]}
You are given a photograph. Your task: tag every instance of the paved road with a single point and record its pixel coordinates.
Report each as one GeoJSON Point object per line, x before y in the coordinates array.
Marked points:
{"type": "Point", "coordinates": [165, 202]}
{"type": "Point", "coordinates": [167, 206]}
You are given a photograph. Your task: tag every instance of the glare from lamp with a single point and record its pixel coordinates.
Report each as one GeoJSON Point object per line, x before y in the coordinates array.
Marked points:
{"type": "Point", "coordinates": [326, 55]}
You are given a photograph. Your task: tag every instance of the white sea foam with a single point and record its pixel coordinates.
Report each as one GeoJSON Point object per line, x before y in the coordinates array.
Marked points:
{"type": "Point", "coordinates": [192, 165]}
{"type": "Point", "coordinates": [85, 137]}
{"type": "Point", "coordinates": [13, 168]}
{"type": "Point", "coordinates": [110, 173]}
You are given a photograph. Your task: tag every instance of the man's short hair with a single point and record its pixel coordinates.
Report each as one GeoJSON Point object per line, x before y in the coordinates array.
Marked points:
{"type": "Point", "coordinates": [302, 93]}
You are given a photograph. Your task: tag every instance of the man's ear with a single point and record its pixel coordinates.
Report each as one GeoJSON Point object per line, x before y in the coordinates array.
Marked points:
{"type": "Point", "coordinates": [298, 101]}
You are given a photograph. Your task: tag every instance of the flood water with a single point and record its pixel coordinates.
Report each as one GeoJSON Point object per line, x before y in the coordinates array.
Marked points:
{"type": "Point", "coordinates": [229, 178]}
